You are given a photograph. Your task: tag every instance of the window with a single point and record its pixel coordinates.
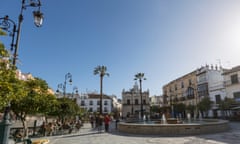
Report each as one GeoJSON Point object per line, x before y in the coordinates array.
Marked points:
{"type": "Point", "coordinates": [236, 96]}
{"type": "Point", "coordinates": [218, 99]}
{"type": "Point", "coordinates": [190, 82]}
{"type": "Point", "coordinates": [128, 101]}
{"type": "Point", "coordinates": [91, 102]}
{"type": "Point", "coordinates": [190, 92]}
{"type": "Point", "coordinates": [136, 101]}
{"type": "Point", "coordinates": [105, 102]}
{"type": "Point", "coordinates": [105, 109]}
{"type": "Point", "coordinates": [234, 79]}
{"type": "Point", "coordinates": [175, 86]}
{"type": "Point", "coordinates": [82, 103]}
{"type": "Point", "coordinates": [98, 102]}
{"type": "Point", "coordinates": [144, 101]}
{"type": "Point", "coordinates": [182, 85]}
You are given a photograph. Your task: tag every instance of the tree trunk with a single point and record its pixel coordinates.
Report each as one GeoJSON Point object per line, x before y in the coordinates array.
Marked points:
{"type": "Point", "coordinates": [25, 127]}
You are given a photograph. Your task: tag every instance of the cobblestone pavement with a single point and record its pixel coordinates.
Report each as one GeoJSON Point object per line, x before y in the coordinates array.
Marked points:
{"type": "Point", "coordinates": [91, 136]}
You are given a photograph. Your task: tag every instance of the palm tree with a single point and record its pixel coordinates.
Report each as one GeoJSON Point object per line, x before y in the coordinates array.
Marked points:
{"type": "Point", "coordinates": [140, 77]}
{"type": "Point", "coordinates": [101, 71]}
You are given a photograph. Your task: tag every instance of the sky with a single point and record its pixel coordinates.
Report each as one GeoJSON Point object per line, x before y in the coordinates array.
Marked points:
{"type": "Point", "coordinates": [164, 39]}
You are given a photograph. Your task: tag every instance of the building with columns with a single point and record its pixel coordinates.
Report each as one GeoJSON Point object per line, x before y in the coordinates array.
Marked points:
{"type": "Point", "coordinates": [131, 101]}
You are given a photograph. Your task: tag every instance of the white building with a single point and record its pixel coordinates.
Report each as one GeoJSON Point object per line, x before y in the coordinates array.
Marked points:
{"type": "Point", "coordinates": [91, 103]}
{"type": "Point", "coordinates": [156, 101]}
{"type": "Point", "coordinates": [211, 84]}
{"type": "Point", "coordinates": [232, 83]}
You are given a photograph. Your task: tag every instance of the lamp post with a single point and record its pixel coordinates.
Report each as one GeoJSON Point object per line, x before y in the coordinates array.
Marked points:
{"type": "Point", "coordinates": [63, 86]}
{"type": "Point", "coordinates": [75, 91]}
{"type": "Point", "coordinates": [9, 26]}
{"type": "Point", "coordinates": [14, 30]}
{"type": "Point", "coordinates": [6, 24]}
{"type": "Point", "coordinates": [140, 77]}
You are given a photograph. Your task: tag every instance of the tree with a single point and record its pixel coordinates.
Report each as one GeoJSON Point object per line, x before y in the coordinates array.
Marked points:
{"type": "Point", "coordinates": [140, 77]}
{"type": "Point", "coordinates": [65, 108]}
{"type": "Point", "coordinates": [180, 108]}
{"type": "Point", "coordinates": [190, 109]}
{"type": "Point", "coordinates": [35, 99]}
{"type": "Point", "coordinates": [101, 71]}
{"type": "Point", "coordinates": [205, 105]}
{"type": "Point", "coordinates": [9, 84]}
{"type": "Point", "coordinates": [225, 105]}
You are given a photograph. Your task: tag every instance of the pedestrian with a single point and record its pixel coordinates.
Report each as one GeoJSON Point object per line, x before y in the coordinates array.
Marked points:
{"type": "Point", "coordinates": [99, 123]}
{"type": "Point", "coordinates": [117, 120]}
{"type": "Point", "coordinates": [107, 120]}
{"type": "Point", "coordinates": [92, 121]}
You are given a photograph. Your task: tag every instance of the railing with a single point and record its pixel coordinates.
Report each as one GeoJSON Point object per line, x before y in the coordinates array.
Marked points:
{"type": "Point", "coordinates": [229, 82]}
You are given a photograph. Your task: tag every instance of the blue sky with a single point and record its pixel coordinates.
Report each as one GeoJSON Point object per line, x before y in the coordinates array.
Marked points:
{"type": "Point", "coordinates": [164, 39]}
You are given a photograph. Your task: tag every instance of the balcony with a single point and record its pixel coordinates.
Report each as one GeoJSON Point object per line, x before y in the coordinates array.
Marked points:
{"type": "Point", "coordinates": [229, 82]}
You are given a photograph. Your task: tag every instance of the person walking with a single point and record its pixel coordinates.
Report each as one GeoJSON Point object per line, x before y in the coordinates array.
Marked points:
{"type": "Point", "coordinates": [92, 121]}
{"type": "Point", "coordinates": [107, 120]}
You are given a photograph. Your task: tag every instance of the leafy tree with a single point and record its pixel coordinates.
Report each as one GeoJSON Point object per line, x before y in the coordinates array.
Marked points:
{"type": "Point", "coordinates": [101, 71]}
{"type": "Point", "coordinates": [65, 108]}
{"type": "Point", "coordinates": [179, 108]}
{"type": "Point", "coordinates": [154, 109]}
{"type": "Point", "coordinates": [205, 105]}
{"type": "Point", "coordinates": [190, 108]}
{"type": "Point", "coordinates": [35, 99]}
{"type": "Point", "coordinates": [225, 105]}
{"type": "Point", "coordinates": [10, 86]}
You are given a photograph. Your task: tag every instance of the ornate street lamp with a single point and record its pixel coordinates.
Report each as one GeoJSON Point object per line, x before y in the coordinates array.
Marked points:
{"type": "Point", "coordinates": [10, 26]}
{"type": "Point", "coordinates": [75, 91]}
{"type": "Point", "coordinates": [63, 86]}
{"type": "Point", "coordinates": [140, 77]}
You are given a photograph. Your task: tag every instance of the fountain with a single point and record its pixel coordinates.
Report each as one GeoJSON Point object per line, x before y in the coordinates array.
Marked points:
{"type": "Point", "coordinates": [174, 126]}
{"type": "Point", "coordinates": [189, 117]}
{"type": "Point", "coordinates": [200, 116]}
{"type": "Point", "coordinates": [163, 120]}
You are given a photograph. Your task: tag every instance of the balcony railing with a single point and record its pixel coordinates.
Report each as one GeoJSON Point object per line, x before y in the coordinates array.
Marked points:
{"type": "Point", "coordinates": [229, 82]}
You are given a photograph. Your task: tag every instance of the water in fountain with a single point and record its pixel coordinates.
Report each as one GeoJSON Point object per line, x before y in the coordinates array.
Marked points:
{"type": "Point", "coordinates": [164, 120]}
{"type": "Point", "coordinates": [144, 117]}
{"type": "Point", "coordinates": [189, 117]}
{"type": "Point", "coordinates": [200, 116]}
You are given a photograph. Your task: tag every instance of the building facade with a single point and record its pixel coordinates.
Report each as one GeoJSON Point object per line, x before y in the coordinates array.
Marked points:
{"type": "Point", "coordinates": [91, 103]}
{"type": "Point", "coordinates": [156, 101]}
{"type": "Point", "coordinates": [232, 83]}
{"type": "Point", "coordinates": [181, 90]}
{"type": "Point", "coordinates": [211, 84]}
{"type": "Point", "coordinates": [131, 101]}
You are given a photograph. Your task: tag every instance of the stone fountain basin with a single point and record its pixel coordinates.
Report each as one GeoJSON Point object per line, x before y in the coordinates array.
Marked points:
{"type": "Point", "coordinates": [205, 126]}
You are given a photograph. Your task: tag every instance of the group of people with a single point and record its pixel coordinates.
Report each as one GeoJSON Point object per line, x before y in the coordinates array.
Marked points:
{"type": "Point", "coordinates": [52, 127]}
{"type": "Point", "coordinates": [98, 120]}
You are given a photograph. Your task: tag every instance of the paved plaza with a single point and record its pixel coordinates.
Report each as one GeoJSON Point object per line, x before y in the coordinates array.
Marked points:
{"type": "Point", "coordinates": [87, 135]}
